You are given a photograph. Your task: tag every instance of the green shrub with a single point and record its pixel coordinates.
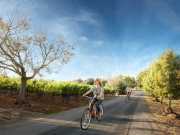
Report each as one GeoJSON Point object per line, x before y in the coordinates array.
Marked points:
{"type": "Point", "coordinates": [42, 87]}
{"type": "Point", "coordinates": [108, 90]}
{"type": "Point", "coordinates": [10, 84]}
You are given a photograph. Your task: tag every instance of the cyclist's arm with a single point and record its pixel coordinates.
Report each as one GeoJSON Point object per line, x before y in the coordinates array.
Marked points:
{"type": "Point", "coordinates": [88, 92]}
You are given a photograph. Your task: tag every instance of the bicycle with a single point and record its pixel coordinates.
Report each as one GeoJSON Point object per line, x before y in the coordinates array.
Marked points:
{"type": "Point", "coordinates": [128, 94]}
{"type": "Point", "coordinates": [89, 113]}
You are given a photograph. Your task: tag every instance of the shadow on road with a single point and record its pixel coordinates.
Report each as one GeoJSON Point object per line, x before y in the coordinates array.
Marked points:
{"type": "Point", "coordinates": [66, 130]}
{"type": "Point", "coordinates": [118, 119]}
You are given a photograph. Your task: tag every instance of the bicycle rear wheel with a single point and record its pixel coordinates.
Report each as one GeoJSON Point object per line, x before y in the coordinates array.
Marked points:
{"type": "Point", "coordinates": [85, 119]}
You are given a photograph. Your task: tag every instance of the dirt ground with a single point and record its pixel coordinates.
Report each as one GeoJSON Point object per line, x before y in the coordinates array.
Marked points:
{"type": "Point", "coordinates": [37, 105]}
{"type": "Point", "coordinates": [42, 104]}
{"type": "Point", "coordinates": [172, 121]}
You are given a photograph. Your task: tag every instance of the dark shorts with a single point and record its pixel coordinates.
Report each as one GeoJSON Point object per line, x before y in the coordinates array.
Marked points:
{"type": "Point", "coordinates": [97, 103]}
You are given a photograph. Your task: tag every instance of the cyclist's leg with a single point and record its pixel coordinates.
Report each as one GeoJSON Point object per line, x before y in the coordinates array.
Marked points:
{"type": "Point", "coordinates": [92, 105]}
{"type": "Point", "coordinates": [98, 102]}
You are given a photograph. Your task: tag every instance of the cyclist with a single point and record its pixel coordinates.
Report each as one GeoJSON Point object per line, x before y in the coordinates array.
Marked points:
{"type": "Point", "coordinates": [128, 91]}
{"type": "Point", "coordinates": [98, 93]}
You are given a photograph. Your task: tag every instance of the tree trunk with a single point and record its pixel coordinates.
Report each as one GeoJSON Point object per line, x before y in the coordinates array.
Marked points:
{"type": "Point", "coordinates": [21, 97]}
{"type": "Point", "coordinates": [162, 98]}
{"type": "Point", "coordinates": [156, 99]}
{"type": "Point", "coordinates": [169, 109]}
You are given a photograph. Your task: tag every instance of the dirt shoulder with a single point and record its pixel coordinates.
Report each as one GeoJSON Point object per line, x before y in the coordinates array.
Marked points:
{"type": "Point", "coordinates": [42, 104]}
{"type": "Point", "coordinates": [169, 123]}
{"type": "Point", "coordinates": [37, 105]}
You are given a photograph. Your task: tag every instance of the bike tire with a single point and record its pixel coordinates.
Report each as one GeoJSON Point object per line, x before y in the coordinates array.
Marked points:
{"type": "Point", "coordinates": [86, 112]}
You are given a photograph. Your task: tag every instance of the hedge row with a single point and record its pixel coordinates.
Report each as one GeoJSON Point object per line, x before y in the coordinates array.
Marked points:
{"type": "Point", "coordinates": [57, 87]}
{"type": "Point", "coordinates": [47, 87]}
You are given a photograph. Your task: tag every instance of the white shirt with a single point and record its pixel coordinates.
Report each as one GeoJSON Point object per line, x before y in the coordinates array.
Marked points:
{"type": "Point", "coordinates": [128, 89]}
{"type": "Point", "coordinates": [98, 92]}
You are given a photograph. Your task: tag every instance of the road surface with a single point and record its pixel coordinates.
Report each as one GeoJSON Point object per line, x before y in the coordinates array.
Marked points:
{"type": "Point", "coordinates": [121, 117]}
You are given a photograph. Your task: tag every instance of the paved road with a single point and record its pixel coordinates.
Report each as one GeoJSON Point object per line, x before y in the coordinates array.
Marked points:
{"type": "Point", "coordinates": [121, 117]}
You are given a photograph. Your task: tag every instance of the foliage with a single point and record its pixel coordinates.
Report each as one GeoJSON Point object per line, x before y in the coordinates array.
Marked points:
{"type": "Point", "coordinates": [42, 87]}
{"type": "Point", "coordinates": [129, 81]}
{"type": "Point", "coordinates": [162, 78]}
{"type": "Point", "coordinates": [104, 82]}
{"type": "Point", "coordinates": [108, 90]}
{"type": "Point", "coordinates": [10, 84]}
{"type": "Point", "coordinates": [119, 83]}
{"type": "Point", "coordinates": [90, 81]}
{"type": "Point", "coordinates": [141, 78]}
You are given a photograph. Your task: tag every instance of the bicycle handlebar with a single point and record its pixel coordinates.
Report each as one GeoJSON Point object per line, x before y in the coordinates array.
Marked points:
{"type": "Point", "coordinates": [89, 97]}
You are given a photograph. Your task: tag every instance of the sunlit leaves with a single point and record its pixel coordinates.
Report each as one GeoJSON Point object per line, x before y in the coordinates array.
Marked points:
{"type": "Point", "coordinates": [120, 83]}
{"type": "Point", "coordinates": [161, 79]}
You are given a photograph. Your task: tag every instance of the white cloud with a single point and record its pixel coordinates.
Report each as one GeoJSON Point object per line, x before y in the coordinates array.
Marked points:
{"type": "Point", "coordinates": [84, 16]}
{"type": "Point", "coordinates": [164, 13]}
{"type": "Point", "coordinates": [15, 8]}
{"type": "Point", "coordinates": [93, 43]}
{"type": "Point", "coordinates": [69, 26]}
{"type": "Point", "coordinates": [88, 17]}
{"type": "Point", "coordinates": [71, 29]}
{"type": "Point", "coordinates": [98, 43]}
{"type": "Point", "coordinates": [83, 38]}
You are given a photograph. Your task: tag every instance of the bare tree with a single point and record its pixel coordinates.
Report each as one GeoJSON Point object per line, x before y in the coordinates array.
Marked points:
{"type": "Point", "coordinates": [27, 54]}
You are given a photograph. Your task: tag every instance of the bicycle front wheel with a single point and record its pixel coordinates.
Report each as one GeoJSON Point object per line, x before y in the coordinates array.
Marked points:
{"type": "Point", "coordinates": [85, 119]}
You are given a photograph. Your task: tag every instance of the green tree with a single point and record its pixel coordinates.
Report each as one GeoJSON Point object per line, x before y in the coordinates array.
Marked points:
{"type": "Point", "coordinates": [104, 82]}
{"type": "Point", "coordinates": [140, 78]}
{"type": "Point", "coordinates": [90, 81]}
{"type": "Point", "coordinates": [177, 77]}
{"type": "Point", "coordinates": [162, 78]}
{"type": "Point", "coordinates": [120, 83]}
{"type": "Point", "coordinates": [167, 74]}
{"type": "Point", "coordinates": [129, 81]}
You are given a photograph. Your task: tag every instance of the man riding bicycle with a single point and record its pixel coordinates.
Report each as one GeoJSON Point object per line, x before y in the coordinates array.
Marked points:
{"type": "Point", "coordinates": [98, 93]}
{"type": "Point", "coordinates": [128, 91]}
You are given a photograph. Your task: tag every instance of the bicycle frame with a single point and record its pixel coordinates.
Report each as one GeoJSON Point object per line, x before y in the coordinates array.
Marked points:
{"type": "Point", "coordinates": [91, 100]}
{"type": "Point", "coordinates": [93, 109]}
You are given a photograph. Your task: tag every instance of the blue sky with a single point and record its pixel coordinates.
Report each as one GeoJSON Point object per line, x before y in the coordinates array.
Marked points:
{"type": "Point", "coordinates": [110, 37]}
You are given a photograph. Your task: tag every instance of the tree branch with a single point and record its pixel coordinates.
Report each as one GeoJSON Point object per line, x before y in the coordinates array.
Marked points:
{"type": "Point", "coordinates": [5, 67]}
